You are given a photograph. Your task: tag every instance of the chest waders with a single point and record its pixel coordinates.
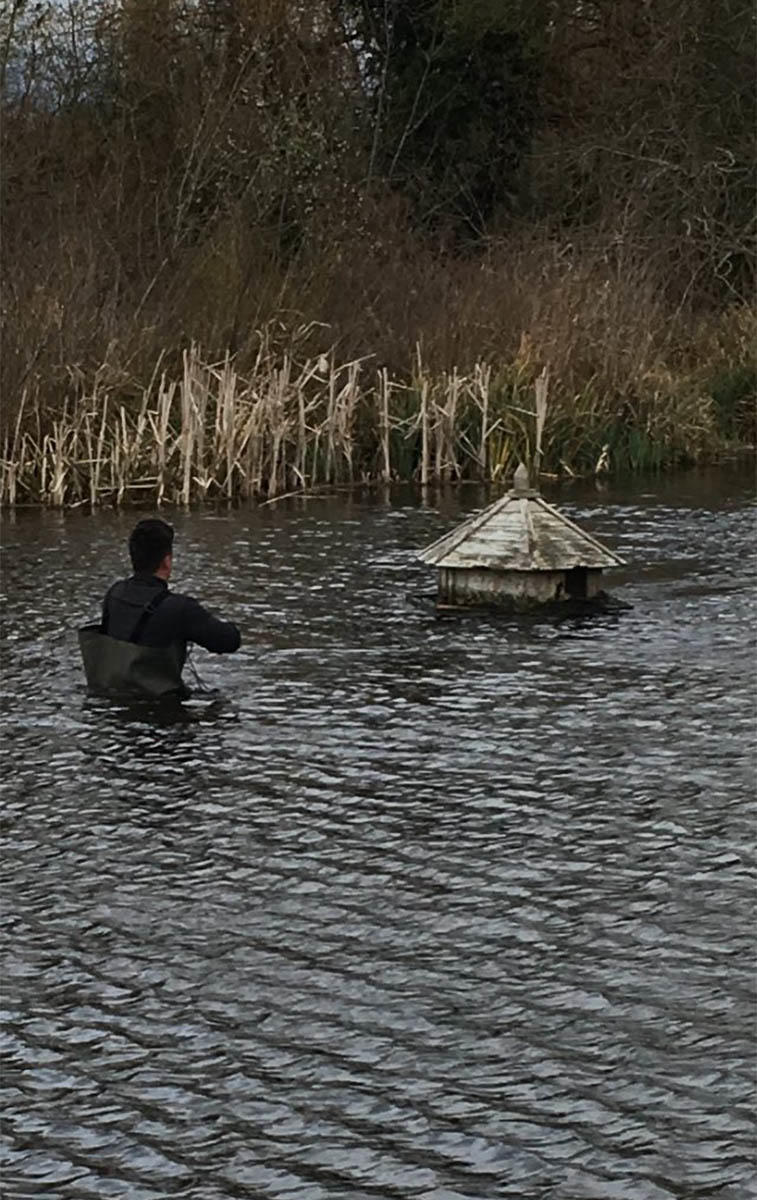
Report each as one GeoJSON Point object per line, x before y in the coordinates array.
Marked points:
{"type": "Point", "coordinates": [122, 668]}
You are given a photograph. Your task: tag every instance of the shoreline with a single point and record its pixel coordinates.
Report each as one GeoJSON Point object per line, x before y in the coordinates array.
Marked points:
{"type": "Point", "coordinates": [736, 461]}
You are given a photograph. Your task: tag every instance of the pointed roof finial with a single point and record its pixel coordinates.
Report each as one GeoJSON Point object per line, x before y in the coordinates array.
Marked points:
{"type": "Point", "coordinates": [521, 481]}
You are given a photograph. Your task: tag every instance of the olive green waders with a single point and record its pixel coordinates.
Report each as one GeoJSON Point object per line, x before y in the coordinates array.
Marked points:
{"type": "Point", "coordinates": [117, 667]}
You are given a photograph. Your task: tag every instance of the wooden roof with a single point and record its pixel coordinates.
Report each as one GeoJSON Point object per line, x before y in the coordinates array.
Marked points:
{"type": "Point", "coordinates": [520, 532]}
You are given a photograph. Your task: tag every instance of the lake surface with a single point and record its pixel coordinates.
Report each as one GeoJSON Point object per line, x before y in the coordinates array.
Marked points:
{"type": "Point", "coordinates": [444, 909]}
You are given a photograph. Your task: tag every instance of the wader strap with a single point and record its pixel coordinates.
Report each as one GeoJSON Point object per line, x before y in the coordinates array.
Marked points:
{"type": "Point", "coordinates": [146, 613]}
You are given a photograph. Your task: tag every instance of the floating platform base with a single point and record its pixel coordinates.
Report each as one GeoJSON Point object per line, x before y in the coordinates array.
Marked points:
{"type": "Point", "coordinates": [601, 604]}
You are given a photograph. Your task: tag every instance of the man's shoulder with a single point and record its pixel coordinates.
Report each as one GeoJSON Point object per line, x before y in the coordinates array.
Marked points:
{"type": "Point", "coordinates": [182, 609]}
{"type": "Point", "coordinates": [116, 587]}
{"type": "Point", "coordinates": [182, 600]}
{"type": "Point", "coordinates": [192, 621]}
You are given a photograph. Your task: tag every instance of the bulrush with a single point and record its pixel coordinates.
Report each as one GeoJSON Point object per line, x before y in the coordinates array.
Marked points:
{"type": "Point", "coordinates": [295, 421]}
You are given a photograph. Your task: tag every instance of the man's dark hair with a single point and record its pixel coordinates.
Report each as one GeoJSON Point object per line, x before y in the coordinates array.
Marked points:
{"type": "Point", "coordinates": [149, 543]}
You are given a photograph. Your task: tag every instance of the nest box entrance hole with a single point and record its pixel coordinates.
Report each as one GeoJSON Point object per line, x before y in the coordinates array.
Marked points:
{"type": "Point", "coordinates": [576, 582]}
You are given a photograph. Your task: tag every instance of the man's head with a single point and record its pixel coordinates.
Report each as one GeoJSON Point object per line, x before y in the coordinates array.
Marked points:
{"type": "Point", "coordinates": [151, 547]}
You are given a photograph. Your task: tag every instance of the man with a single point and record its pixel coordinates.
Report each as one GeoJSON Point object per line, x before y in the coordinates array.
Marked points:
{"type": "Point", "coordinates": [142, 609]}
{"type": "Point", "coordinates": [141, 644]}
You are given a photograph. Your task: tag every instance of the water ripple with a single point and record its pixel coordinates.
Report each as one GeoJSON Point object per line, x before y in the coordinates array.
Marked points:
{"type": "Point", "coordinates": [433, 909]}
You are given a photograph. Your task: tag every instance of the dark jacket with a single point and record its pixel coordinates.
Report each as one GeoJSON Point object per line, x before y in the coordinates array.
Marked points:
{"type": "Point", "coordinates": [171, 619]}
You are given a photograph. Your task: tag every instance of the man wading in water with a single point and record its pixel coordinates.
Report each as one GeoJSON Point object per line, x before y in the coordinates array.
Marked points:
{"type": "Point", "coordinates": [141, 645]}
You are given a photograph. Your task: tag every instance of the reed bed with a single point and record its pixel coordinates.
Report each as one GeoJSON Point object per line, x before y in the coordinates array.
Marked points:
{"type": "Point", "coordinates": [296, 423]}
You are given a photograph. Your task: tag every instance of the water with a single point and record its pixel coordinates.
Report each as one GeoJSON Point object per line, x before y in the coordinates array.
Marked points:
{"type": "Point", "coordinates": [445, 909]}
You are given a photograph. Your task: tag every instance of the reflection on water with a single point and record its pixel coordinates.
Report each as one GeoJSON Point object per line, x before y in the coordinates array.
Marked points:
{"type": "Point", "coordinates": [448, 909]}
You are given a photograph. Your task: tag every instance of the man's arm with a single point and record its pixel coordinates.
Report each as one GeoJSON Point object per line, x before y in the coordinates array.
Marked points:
{"type": "Point", "coordinates": [200, 626]}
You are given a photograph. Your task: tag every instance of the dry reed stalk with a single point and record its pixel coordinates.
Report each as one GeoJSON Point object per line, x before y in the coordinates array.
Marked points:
{"type": "Point", "coordinates": [6, 472]}
{"type": "Point", "coordinates": [316, 448]}
{"type": "Point", "coordinates": [160, 425]}
{"type": "Point", "coordinates": [90, 448]}
{"type": "Point", "coordinates": [384, 426]}
{"type": "Point", "coordinates": [58, 478]}
{"type": "Point", "coordinates": [330, 423]}
{"type": "Point", "coordinates": [457, 387]}
{"type": "Point", "coordinates": [187, 428]}
{"type": "Point", "coordinates": [347, 401]}
{"type": "Point", "coordinates": [121, 441]}
{"type": "Point", "coordinates": [278, 423]}
{"type": "Point", "coordinates": [43, 471]}
{"type": "Point", "coordinates": [201, 398]}
{"type": "Point", "coordinates": [225, 422]}
{"type": "Point", "coordinates": [447, 462]}
{"type": "Point", "coordinates": [123, 455]}
{"type": "Point", "coordinates": [302, 439]}
{"type": "Point", "coordinates": [437, 431]}
{"type": "Point", "coordinates": [477, 389]}
{"type": "Point", "coordinates": [42, 453]}
{"type": "Point", "coordinates": [12, 455]}
{"type": "Point", "coordinates": [424, 433]}
{"type": "Point", "coordinates": [100, 446]}
{"type": "Point", "coordinates": [8, 476]}
{"type": "Point", "coordinates": [141, 426]}
{"type": "Point", "coordinates": [310, 371]}
{"type": "Point", "coordinates": [254, 472]}
{"type": "Point", "coordinates": [17, 427]}
{"type": "Point", "coordinates": [33, 458]}
{"type": "Point", "coordinates": [197, 377]}
{"type": "Point", "coordinates": [542, 389]}
{"type": "Point", "coordinates": [482, 375]}
{"type": "Point", "coordinates": [421, 383]}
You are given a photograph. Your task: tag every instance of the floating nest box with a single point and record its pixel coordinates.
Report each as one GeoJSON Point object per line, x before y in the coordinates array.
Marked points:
{"type": "Point", "coordinates": [517, 553]}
